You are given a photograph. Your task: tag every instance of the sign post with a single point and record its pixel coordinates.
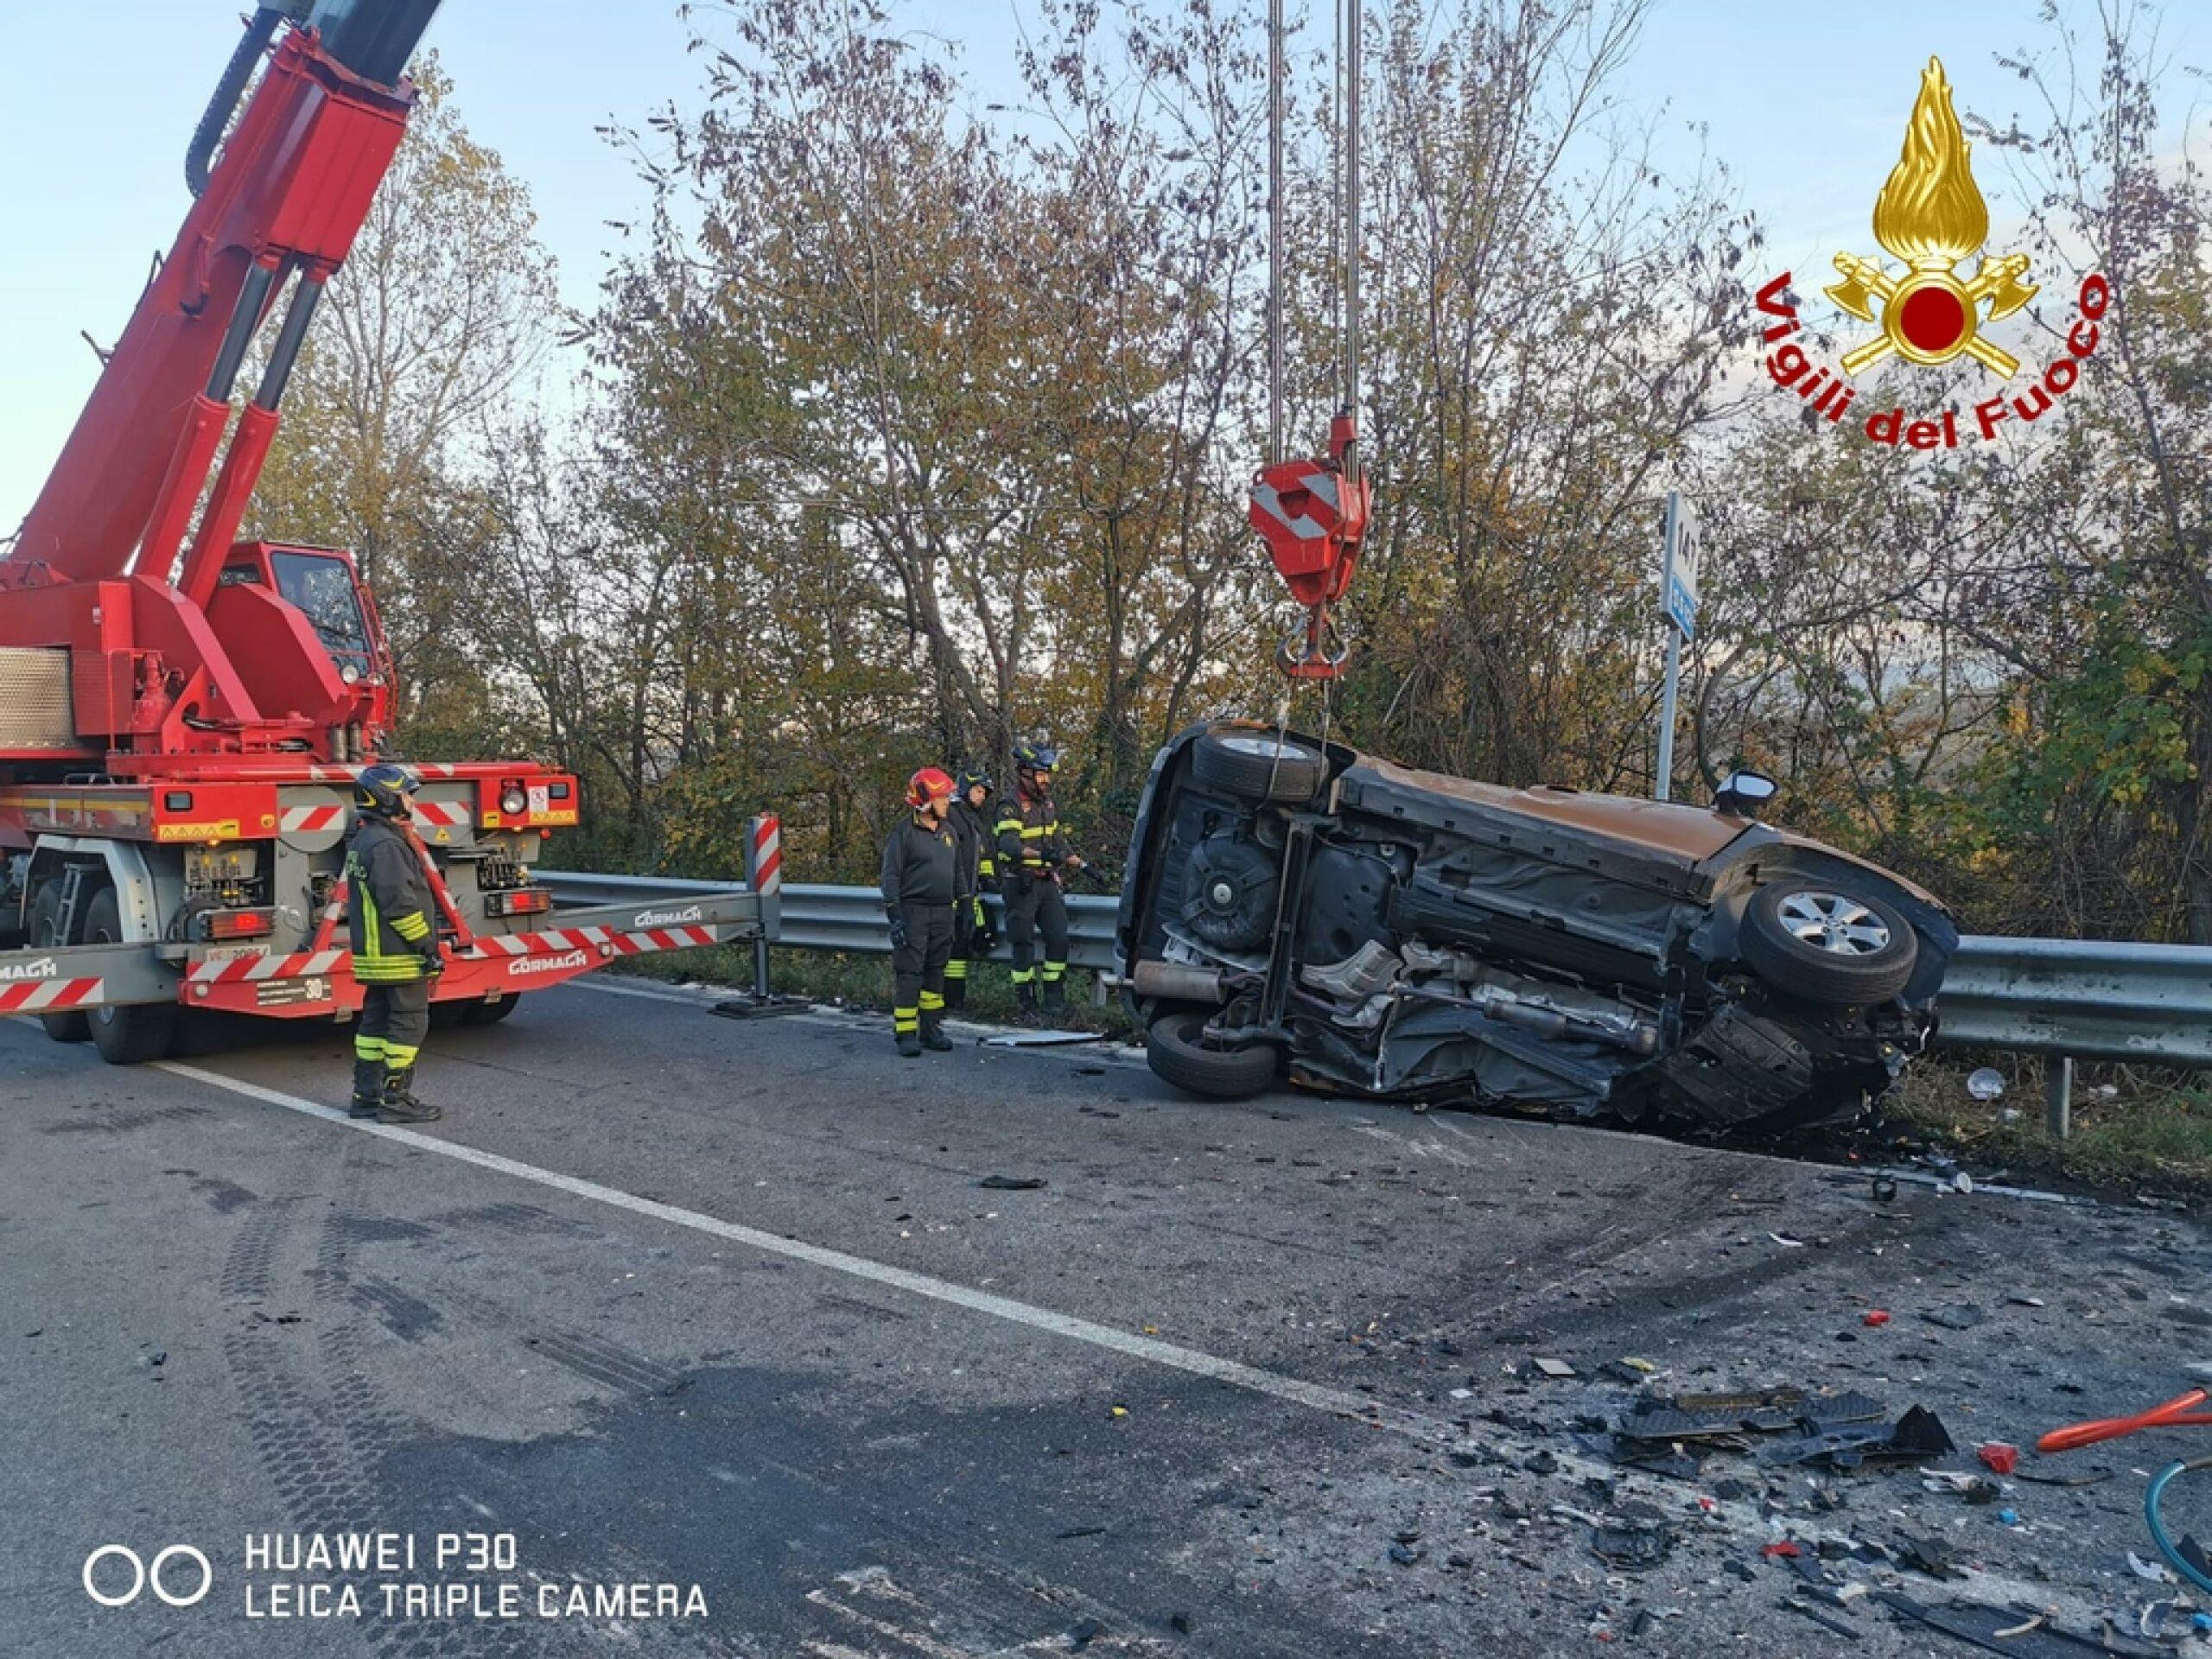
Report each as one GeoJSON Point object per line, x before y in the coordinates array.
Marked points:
{"type": "Point", "coordinates": [1678, 591]}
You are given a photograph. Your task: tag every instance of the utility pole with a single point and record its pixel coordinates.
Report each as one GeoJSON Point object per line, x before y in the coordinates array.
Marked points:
{"type": "Point", "coordinates": [1678, 592]}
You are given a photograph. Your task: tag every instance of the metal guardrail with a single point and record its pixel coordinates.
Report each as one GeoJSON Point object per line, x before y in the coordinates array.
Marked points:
{"type": "Point", "coordinates": [833, 919]}
{"type": "Point", "coordinates": [2067, 998]}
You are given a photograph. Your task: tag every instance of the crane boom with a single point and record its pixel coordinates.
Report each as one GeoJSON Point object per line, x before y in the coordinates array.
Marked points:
{"type": "Point", "coordinates": [289, 196]}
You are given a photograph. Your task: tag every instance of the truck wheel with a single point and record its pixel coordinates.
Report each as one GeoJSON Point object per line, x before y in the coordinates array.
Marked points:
{"type": "Point", "coordinates": [1180, 1052]}
{"type": "Point", "coordinates": [1810, 940]}
{"type": "Point", "coordinates": [490, 1013]}
{"type": "Point", "coordinates": [1257, 766]}
{"type": "Point", "coordinates": [46, 912]}
{"type": "Point", "coordinates": [125, 1036]}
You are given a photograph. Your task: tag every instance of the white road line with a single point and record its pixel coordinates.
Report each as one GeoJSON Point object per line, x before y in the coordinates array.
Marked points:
{"type": "Point", "coordinates": [1426, 1430]}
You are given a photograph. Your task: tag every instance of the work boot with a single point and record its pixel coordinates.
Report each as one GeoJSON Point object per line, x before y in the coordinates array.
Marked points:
{"type": "Point", "coordinates": [910, 1046]}
{"type": "Point", "coordinates": [368, 1088]}
{"type": "Point", "coordinates": [399, 1104]}
{"type": "Point", "coordinates": [1056, 1002]}
{"type": "Point", "coordinates": [955, 992]}
{"type": "Point", "coordinates": [1025, 997]}
{"type": "Point", "coordinates": [933, 1037]}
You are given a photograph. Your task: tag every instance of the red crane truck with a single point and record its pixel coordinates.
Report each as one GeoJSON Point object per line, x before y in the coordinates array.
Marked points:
{"type": "Point", "coordinates": [182, 713]}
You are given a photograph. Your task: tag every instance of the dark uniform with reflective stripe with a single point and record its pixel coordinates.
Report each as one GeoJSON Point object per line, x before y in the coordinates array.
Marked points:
{"type": "Point", "coordinates": [921, 872]}
{"type": "Point", "coordinates": [1030, 853]}
{"type": "Point", "coordinates": [972, 833]}
{"type": "Point", "coordinates": [388, 908]}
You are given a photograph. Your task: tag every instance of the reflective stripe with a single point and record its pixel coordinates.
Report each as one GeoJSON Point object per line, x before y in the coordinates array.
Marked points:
{"type": "Point", "coordinates": [1053, 970]}
{"type": "Point", "coordinates": [411, 928]}
{"type": "Point", "coordinates": [957, 967]}
{"type": "Point", "coordinates": [1038, 831]}
{"type": "Point", "coordinates": [989, 866]}
{"type": "Point", "coordinates": [906, 1020]}
{"type": "Point", "coordinates": [1022, 975]}
{"type": "Point", "coordinates": [397, 1057]}
{"type": "Point", "coordinates": [1005, 824]}
{"type": "Point", "coordinates": [931, 1002]}
{"type": "Point", "coordinates": [371, 1049]}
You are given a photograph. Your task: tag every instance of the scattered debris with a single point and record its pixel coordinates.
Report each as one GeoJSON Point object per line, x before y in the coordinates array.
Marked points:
{"type": "Point", "coordinates": [2009, 1518]}
{"type": "Point", "coordinates": [1963, 1318]}
{"type": "Point", "coordinates": [2019, 1632]}
{"type": "Point", "coordinates": [1012, 1183]}
{"type": "Point", "coordinates": [2076, 1477]}
{"type": "Point", "coordinates": [1555, 1368]}
{"type": "Point", "coordinates": [1632, 1545]}
{"type": "Point", "coordinates": [1875, 1316]}
{"type": "Point", "coordinates": [1786, 1241]}
{"type": "Point", "coordinates": [1924, 1555]}
{"type": "Point", "coordinates": [1405, 1555]}
{"type": "Point", "coordinates": [1998, 1457]}
{"type": "Point", "coordinates": [1825, 1620]}
{"type": "Point", "coordinates": [2150, 1572]}
{"type": "Point", "coordinates": [1918, 1434]}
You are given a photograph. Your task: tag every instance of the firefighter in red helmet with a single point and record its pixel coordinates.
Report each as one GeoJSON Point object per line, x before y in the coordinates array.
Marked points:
{"type": "Point", "coordinates": [921, 872]}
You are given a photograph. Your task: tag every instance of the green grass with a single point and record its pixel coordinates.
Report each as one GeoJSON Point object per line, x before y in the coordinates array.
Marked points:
{"type": "Point", "coordinates": [864, 982]}
{"type": "Point", "coordinates": [2130, 1135]}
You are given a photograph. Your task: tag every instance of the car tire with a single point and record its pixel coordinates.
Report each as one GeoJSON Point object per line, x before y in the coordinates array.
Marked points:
{"type": "Point", "coordinates": [61, 1028]}
{"type": "Point", "coordinates": [1258, 767]}
{"type": "Point", "coordinates": [490, 1013]}
{"type": "Point", "coordinates": [1813, 940]}
{"type": "Point", "coordinates": [125, 1036]}
{"type": "Point", "coordinates": [1176, 1049]}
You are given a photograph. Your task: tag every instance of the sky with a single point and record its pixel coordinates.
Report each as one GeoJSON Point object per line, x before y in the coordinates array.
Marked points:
{"type": "Point", "coordinates": [1806, 105]}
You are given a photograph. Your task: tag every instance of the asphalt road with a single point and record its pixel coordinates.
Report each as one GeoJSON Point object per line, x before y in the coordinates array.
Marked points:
{"type": "Point", "coordinates": [671, 1301]}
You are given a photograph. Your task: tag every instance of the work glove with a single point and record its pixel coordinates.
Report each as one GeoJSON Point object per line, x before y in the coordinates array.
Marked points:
{"type": "Point", "coordinates": [898, 933]}
{"type": "Point", "coordinates": [434, 962]}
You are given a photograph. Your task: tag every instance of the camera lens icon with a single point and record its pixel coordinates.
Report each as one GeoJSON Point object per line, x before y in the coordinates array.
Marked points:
{"type": "Point", "coordinates": [143, 1575]}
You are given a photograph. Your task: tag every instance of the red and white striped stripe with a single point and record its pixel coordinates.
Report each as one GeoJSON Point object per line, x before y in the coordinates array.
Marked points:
{"type": "Point", "coordinates": [309, 820]}
{"type": "Point", "coordinates": [51, 996]}
{"type": "Point", "coordinates": [606, 940]}
{"type": "Point", "coordinates": [767, 855]}
{"type": "Point", "coordinates": [441, 815]}
{"type": "Point", "coordinates": [230, 970]}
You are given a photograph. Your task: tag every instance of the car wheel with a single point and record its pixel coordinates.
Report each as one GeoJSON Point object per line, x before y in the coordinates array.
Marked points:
{"type": "Point", "coordinates": [1258, 766]}
{"type": "Point", "coordinates": [125, 1036]}
{"type": "Point", "coordinates": [490, 1013]}
{"type": "Point", "coordinates": [1180, 1052]}
{"type": "Point", "coordinates": [1813, 941]}
{"type": "Point", "coordinates": [46, 912]}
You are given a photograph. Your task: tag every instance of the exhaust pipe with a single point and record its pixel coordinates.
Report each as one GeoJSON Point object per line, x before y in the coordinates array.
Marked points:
{"type": "Point", "coordinates": [1176, 981]}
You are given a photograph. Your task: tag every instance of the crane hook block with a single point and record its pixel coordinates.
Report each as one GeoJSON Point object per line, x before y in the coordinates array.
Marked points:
{"type": "Point", "coordinates": [1313, 515]}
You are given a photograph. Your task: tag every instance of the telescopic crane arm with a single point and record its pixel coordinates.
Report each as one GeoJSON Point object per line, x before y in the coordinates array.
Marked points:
{"type": "Point", "coordinates": [286, 199]}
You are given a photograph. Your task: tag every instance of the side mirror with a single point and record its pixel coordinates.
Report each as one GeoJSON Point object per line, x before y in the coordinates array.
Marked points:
{"type": "Point", "coordinates": [1742, 793]}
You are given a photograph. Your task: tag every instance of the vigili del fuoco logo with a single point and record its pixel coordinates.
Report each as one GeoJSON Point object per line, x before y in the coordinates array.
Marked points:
{"type": "Point", "coordinates": [1932, 216]}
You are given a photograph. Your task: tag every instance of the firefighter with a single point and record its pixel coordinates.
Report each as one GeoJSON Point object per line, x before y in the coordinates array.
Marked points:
{"type": "Point", "coordinates": [921, 882]}
{"type": "Point", "coordinates": [1031, 857]}
{"type": "Point", "coordinates": [977, 841]}
{"type": "Point", "coordinates": [396, 957]}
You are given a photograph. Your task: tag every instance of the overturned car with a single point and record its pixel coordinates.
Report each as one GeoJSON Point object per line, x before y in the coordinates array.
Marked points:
{"type": "Point", "coordinates": [1291, 905]}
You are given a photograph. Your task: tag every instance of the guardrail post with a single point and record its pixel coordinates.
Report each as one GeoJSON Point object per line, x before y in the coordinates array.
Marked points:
{"type": "Point", "coordinates": [764, 873]}
{"type": "Point", "coordinates": [2058, 1095]}
{"type": "Point", "coordinates": [764, 876]}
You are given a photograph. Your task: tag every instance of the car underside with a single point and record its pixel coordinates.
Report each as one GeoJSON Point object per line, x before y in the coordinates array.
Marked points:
{"type": "Point", "coordinates": [1292, 906]}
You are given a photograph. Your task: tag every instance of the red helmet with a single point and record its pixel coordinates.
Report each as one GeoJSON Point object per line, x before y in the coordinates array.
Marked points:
{"type": "Point", "coordinates": [930, 783]}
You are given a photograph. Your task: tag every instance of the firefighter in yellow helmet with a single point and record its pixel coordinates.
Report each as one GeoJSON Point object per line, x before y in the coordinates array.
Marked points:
{"type": "Point", "coordinates": [921, 880]}
{"type": "Point", "coordinates": [1031, 857]}
{"type": "Point", "coordinates": [396, 952]}
{"type": "Point", "coordinates": [974, 833]}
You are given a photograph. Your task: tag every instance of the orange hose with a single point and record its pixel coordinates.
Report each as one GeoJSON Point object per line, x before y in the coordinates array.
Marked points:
{"type": "Point", "coordinates": [2175, 1413]}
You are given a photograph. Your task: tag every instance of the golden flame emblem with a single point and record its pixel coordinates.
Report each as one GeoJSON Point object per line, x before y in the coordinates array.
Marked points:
{"type": "Point", "coordinates": [1931, 215]}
